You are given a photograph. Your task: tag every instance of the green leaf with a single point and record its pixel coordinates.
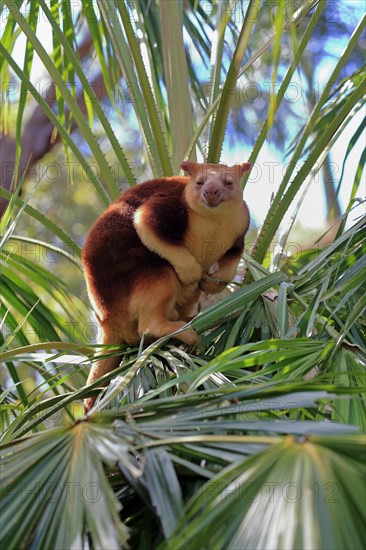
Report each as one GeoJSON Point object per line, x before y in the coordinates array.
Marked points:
{"type": "Point", "coordinates": [164, 489]}
{"type": "Point", "coordinates": [234, 303]}
{"type": "Point", "coordinates": [313, 487]}
{"type": "Point", "coordinates": [176, 78]}
{"type": "Point", "coordinates": [218, 131]}
{"type": "Point", "coordinates": [56, 482]}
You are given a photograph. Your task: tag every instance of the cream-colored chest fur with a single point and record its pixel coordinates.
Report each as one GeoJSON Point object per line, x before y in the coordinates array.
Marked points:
{"type": "Point", "coordinates": [211, 235]}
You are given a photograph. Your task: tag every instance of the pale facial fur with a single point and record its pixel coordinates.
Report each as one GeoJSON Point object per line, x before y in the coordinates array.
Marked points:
{"type": "Point", "coordinates": [212, 186]}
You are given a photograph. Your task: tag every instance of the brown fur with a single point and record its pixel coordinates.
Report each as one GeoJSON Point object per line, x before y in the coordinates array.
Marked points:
{"type": "Point", "coordinates": [146, 256]}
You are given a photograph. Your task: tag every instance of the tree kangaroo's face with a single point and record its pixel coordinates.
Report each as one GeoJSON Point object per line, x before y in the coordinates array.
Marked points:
{"type": "Point", "coordinates": [212, 185]}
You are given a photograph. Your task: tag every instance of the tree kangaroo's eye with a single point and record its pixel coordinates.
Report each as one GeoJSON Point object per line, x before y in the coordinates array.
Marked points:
{"type": "Point", "coordinates": [228, 182]}
{"type": "Point", "coordinates": [199, 182]}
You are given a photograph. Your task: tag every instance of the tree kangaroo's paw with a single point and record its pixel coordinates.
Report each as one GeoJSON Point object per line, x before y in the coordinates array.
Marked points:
{"type": "Point", "coordinates": [189, 337]}
{"type": "Point", "coordinates": [209, 284]}
{"type": "Point", "coordinates": [189, 273]}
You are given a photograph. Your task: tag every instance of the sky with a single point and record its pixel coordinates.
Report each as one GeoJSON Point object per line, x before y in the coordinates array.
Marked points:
{"type": "Point", "coordinates": [267, 177]}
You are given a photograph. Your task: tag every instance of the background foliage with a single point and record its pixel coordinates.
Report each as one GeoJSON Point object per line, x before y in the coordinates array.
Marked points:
{"type": "Point", "coordinates": [255, 438]}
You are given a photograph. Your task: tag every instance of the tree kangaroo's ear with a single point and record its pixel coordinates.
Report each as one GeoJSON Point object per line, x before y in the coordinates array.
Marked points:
{"type": "Point", "coordinates": [191, 168]}
{"type": "Point", "coordinates": [245, 167]}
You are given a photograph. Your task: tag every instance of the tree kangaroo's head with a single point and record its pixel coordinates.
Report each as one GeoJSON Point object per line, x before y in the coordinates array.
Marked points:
{"type": "Point", "coordinates": [213, 185]}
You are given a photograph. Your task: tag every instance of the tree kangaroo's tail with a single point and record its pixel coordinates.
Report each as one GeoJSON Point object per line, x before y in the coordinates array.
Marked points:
{"type": "Point", "coordinates": [97, 370]}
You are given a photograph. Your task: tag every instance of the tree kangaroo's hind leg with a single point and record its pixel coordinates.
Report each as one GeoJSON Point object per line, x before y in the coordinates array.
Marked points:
{"type": "Point", "coordinates": [152, 311]}
{"type": "Point", "coordinates": [155, 306]}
